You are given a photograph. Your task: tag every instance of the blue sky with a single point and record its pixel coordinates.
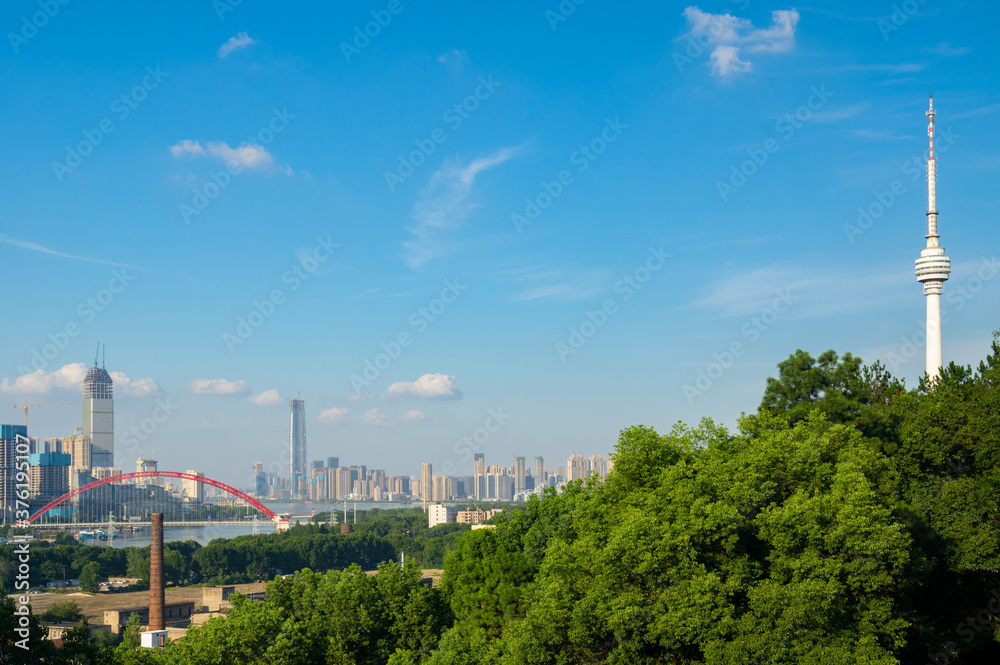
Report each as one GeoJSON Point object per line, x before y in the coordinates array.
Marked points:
{"type": "Point", "coordinates": [544, 206]}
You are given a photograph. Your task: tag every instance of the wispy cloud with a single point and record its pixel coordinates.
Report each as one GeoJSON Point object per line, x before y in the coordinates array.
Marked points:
{"type": "Point", "coordinates": [733, 37]}
{"type": "Point", "coordinates": [455, 58]}
{"type": "Point", "coordinates": [333, 415]}
{"type": "Point", "coordinates": [837, 115]}
{"type": "Point", "coordinates": [428, 386]}
{"type": "Point", "coordinates": [414, 415]}
{"type": "Point", "coordinates": [890, 67]}
{"type": "Point", "coordinates": [817, 292]}
{"type": "Point", "coordinates": [375, 417]}
{"type": "Point", "coordinates": [35, 247]}
{"type": "Point", "coordinates": [990, 108]}
{"type": "Point", "coordinates": [238, 41]}
{"type": "Point", "coordinates": [945, 49]}
{"type": "Point", "coordinates": [445, 204]}
{"type": "Point", "coordinates": [204, 386]}
{"type": "Point", "coordinates": [562, 284]}
{"type": "Point", "coordinates": [267, 398]}
{"type": "Point", "coordinates": [248, 156]}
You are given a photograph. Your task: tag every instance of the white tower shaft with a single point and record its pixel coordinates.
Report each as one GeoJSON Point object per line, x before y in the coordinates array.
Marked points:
{"type": "Point", "coordinates": [933, 267]}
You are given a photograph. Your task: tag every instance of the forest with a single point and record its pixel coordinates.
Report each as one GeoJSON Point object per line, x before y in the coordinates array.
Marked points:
{"type": "Point", "coordinates": [850, 519]}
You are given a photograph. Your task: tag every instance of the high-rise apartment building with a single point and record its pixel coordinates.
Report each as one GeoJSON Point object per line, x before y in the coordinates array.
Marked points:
{"type": "Point", "coordinates": [577, 467]}
{"type": "Point", "coordinates": [193, 490]}
{"type": "Point", "coordinates": [48, 477]}
{"type": "Point", "coordinates": [541, 479]}
{"type": "Point", "coordinates": [332, 462]}
{"type": "Point", "coordinates": [426, 482]}
{"type": "Point", "coordinates": [599, 465]}
{"type": "Point", "coordinates": [99, 416]}
{"type": "Point", "coordinates": [297, 448]}
{"type": "Point", "coordinates": [519, 473]}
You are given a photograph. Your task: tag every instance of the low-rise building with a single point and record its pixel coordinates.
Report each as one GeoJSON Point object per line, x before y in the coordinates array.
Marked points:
{"type": "Point", "coordinates": [440, 514]}
{"type": "Point", "coordinates": [172, 612]}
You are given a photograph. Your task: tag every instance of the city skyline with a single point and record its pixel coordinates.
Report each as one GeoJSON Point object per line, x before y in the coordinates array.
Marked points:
{"type": "Point", "coordinates": [448, 246]}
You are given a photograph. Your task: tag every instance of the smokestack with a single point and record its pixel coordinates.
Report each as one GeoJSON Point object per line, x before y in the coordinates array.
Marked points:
{"type": "Point", "coordinates": [156, 600]}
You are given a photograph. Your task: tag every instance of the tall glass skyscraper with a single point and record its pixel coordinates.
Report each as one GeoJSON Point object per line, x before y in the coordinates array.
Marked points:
{"type": "Point", "coordinates": [99, 416]}
{"type": "Point", "coordinates": [297, 448]}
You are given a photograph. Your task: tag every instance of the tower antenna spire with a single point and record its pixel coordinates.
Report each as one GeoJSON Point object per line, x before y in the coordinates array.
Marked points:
{"type": "Point", "coordinates": [104, 349]}
{"type": "Point", "coordinates": [933, 267]}
{"type": "Point", "coordinates": [97, 353]}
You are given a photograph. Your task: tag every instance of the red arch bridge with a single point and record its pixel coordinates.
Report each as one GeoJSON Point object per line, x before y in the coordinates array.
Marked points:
{"type": "Point", "coordinates": [123, 501]}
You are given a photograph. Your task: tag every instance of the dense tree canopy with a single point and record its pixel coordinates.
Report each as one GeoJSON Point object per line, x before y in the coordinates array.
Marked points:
{"type": "Point", "coordinates": [850, 520]}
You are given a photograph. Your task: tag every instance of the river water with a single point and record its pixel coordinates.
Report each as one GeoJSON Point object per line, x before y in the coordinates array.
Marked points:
{"type": "Point", "coordinates": [203, 534]}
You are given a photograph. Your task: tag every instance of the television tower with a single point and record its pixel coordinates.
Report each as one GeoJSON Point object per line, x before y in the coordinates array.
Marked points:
{"type": "Point", "coordinates": [933, 267]}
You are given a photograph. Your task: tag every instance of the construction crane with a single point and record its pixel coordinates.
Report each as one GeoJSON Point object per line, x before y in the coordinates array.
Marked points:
{"type": "Point", "coordinates": [26, 405]}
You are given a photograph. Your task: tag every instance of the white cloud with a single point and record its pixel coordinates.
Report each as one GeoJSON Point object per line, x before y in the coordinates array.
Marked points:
{"type": "Point", "coordinates": [247, 156]}
{"type": "Point", "coordinates": [127, 387]}
{"type": "Point", "coordinates": [445, 204]}
{"type": "Point", "coordinates": [39, 382]}
{"type": "Point", "coordinates": [217, 387]}
{"type": "Point", "coordinates": [267, 398]}
{"type": "Point", "coordinates": [428, 386]}
{"type": "Point", "coordinates": [188, 147]}
{"type": "Point", "coordinates": [333, 415]}
{"type": "Point", "coordinates": [70, 377]}
{"type": "Point", "coordinates": [731, 37]}
{"type": "Point", "coordinates": [455, 57]}
{"type": "Point", "coordinates": [238, 41]}
{"type": "Point", "coordinates": [375, 417]}
{"type": "Point", "coordinates": [413, 414]}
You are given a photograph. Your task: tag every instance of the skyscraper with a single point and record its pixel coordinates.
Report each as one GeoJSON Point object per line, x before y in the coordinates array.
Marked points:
{"type": "Point", "coordinates": [479, 476]}
{"type": "Point", "coordinates": [332, 462]}
{"type": "Point", "coordinates": [426, 482]}
{"type": "Point", "coordinates": [297, 448]}
{"type": "Point", "coordinates": [540, 477]}
{"type": "Point", "coordinates": [519, 473]}
{"type": "Point", "coordinates": [99, 416]}
{"type": "Point", "coordinates": [933, 267]}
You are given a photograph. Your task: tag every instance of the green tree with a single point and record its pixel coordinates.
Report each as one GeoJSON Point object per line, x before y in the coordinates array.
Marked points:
{"type": "Point", "coordinates": [63, 612]}
{"type": "Point", "coordinates": [15, 648]}
{"type": "Point", "coordinates": [90, 577]}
